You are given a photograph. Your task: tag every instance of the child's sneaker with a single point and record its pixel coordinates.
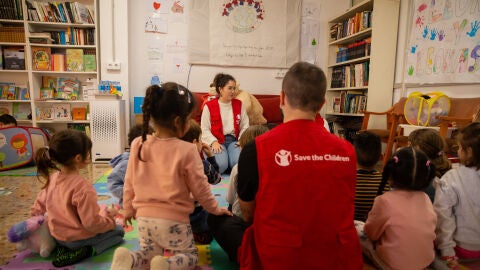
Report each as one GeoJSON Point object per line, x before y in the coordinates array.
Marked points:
{"type": "Point", "coordinates": [65, 256]}
{"type": "Point", "coordinates": [122, 259]}
{"type": "Point", "coordinates": [159, 263]}
{"type": "Point", "coordinates": [203, 238]}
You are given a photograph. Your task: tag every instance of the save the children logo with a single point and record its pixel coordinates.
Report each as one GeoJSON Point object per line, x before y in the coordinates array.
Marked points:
{"type": "Point", "coordinates": [283, 158]}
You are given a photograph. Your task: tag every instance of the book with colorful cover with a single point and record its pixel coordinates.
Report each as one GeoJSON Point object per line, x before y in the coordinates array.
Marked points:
{"type": "Point", "coordinates": [44, 112]}
{"type": "Point", "coordinates": [21, 111]}
{"type": "Point", "coordinates": [90, 62]}
{"type": "Point", "coordinates": [68, 89]}
{"type": "Point", "coordinates": [74, 59]}
{"type": "Point", "coordinates": [41, 57]}
{"type": "Point", "coordinates": [14, 57]}
{"type": "Point", "coordinates": [61, 111]}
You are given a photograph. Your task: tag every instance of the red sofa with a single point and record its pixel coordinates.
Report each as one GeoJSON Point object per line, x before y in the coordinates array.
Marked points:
{"type": "Point", "coordinates": [270, 104]}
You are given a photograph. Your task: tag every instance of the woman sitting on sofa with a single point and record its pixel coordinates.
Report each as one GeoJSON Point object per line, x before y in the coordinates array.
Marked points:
{"type": "Point", "coordinates": [223, 121]}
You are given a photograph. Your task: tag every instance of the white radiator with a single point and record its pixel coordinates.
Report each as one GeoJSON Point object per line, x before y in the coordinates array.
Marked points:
{"type": "Point", "coordinates": [108, 129]}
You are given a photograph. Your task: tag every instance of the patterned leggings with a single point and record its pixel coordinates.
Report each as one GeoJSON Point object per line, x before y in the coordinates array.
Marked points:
{"type": "Point", "coordinates": [156, 235]}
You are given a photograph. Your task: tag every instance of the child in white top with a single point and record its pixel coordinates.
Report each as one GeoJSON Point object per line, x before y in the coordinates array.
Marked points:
{"type": "Point", "coordinates": [163, 173]}
{"type": "Point", "coordinates": [457, 202]}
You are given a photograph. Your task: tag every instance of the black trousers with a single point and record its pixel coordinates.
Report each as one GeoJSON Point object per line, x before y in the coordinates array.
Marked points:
{"type": "Point", "coordinates": [228, 231]}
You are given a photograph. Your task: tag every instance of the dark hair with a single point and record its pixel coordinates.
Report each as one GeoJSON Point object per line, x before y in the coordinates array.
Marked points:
{"type": "Point", "coordinates": [193, 133]}
{"type": "Point", "coordinates": [469, 137]}
{"type": "Point", "coordinates": [304, 85]}
{"type": "Point", "coordinates": [8, 119]}
{"type": "Point", "coordinates": [220, 80]}
{"type": "Point", "coordinates": [433, 145]}
{"type": "Point", "coordinates": [251, 133]}
{"type": "Point", "coordinates": [409, 169]}
{"type": "Point", "coordinates": [368, 148]}
{"type": "Point", "coordinates": [137, 131]}
{"type": "Point", "coordinates": [163, 104]}
{"type": "Point", "coordinates": [62, 149]}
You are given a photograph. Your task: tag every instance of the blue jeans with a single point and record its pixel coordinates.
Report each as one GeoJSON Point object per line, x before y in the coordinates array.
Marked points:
{"type": "Point", "coordinates": [99, 242]}
{"type": "Point", "coordinates": [229, 155]}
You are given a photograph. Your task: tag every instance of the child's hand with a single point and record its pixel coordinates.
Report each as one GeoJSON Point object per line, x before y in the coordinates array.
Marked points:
{"type": "Point", "coordinates": [451, 261]}
{"type": "Point", "coordinates": [128, 216]}
{"type": "Point", "coordinates": [206, 149]}
{"type": "Point", "coordinates": [217, 147]}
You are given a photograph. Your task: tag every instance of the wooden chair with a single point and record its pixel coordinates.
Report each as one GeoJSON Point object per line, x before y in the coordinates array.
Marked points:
{"type": "Point", "coordinates": [462, 112]}
{"type": "Point", "coordinates": [392, 134]}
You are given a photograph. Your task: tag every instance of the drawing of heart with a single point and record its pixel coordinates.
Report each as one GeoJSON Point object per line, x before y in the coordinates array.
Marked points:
{"type": "Point", "coordinates": [156, 5]}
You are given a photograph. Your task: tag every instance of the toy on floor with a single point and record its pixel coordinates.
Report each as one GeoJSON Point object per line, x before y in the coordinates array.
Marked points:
{"type": "Point", "coordinates": [32, 234]}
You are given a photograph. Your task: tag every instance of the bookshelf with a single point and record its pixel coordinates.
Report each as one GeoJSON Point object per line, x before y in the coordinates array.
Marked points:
{"type": "Point", "coordinates": [361, 63]}
{"type": "Point", "coordinates": [59, 40]}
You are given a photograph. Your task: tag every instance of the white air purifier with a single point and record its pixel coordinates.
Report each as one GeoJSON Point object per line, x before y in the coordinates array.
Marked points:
{"type": "Point", "coordinates": [108, 129]}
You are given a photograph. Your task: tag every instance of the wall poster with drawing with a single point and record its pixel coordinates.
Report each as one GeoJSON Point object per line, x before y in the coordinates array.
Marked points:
{"type": "Point", "coordinates": [245, 32]}
{"type": "Point", "coordinates": [444, 42]}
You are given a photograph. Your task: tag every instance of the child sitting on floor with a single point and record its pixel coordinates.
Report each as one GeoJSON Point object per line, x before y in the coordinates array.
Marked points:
{"type": "Point", "coordinates": [402, 221]}
{"type": "Point", "coordinates": [198, 219]}
{"type": "Point", "coordinates": [116, 178]}
{"type": "Point", "coordinates": [457, 202]}
{"type": "Point", "coordinates": [368, 149]}
{"type": "Point", "coordinates": [74, 217]}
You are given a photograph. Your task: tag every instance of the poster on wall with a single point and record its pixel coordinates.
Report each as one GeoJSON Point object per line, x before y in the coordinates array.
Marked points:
{"type": "Point", "coordinates": [249, 33]}
{"type": "Point", "coordinates": [444, 43]}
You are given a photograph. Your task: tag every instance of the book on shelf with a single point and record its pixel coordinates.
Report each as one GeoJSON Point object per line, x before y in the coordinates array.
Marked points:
{"type": "Point", "coordinates": [61, 111]}
{"type": "Point", "coordinates": [44, 112]}
{"type": "Point", "coordinates": [336, 104]}
{"type": "Point", "coordinates": [68, 88]}
{"type": "Point", "coordinates": [11, 91]}
{"type": "Point", "coordinates": [21, 111]}
{"type": "Point", "coordinates": [1, 58]}
{"type": "Point", "coordinates": [41, 58]}
{"type": "Point", "coordinates": [90, 62]}
{"type": "Point", "coordinates": [6, 108]}
{"type": "Point", "coordinates": [74, 59]}
{"type": "Point", "coordinates": [46, 93]}
{"type": "Point", "coordinates": [14, 57]}
{"type": "Point", "coordinates": [40, 37]}
{"type": "Point", "coordinates": [58, 61]}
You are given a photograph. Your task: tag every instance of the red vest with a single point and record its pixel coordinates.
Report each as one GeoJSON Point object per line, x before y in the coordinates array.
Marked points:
{"type": "Point", "coordinates": [216, 118]}
{"type": "Point", "coordinates": [304, 206]}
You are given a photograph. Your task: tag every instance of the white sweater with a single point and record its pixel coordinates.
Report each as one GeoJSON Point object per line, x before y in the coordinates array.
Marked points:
{"type": "Point", "coordinates": [457, 204]}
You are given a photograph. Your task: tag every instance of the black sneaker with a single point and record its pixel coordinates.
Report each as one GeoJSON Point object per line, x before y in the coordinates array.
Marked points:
{"type": "Point", "coordinates": [66, 256]}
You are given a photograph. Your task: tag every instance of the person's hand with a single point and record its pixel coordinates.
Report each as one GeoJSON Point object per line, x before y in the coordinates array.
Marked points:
{"type": "Point", "coordinates": [128, 216]}
{"type": "Point", "coordinates": [451, 261]}
{"type": "Point", "coordinates": [224, 211]}
{"type": "Point", "coordinates": [206, 149]}
{"type": "Point", "coordinates": [217, 147]}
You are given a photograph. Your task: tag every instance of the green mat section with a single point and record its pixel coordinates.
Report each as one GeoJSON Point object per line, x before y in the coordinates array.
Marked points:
{"type": "Point", "coordinates": [26, 171]}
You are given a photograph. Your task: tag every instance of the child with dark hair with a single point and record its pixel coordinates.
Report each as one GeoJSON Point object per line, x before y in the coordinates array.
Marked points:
{"type": "Point", "coordinates": [432, 144]}
{"type": "Point", "coordinates": [74, 217]}
{"type": "Point", "coordinates": [402, 221]}
{"type": "Point", "coordinates": [368, 149]}
{"type": "Point", "coordinates": [457, 202]}
{"type": "Point", "coordinates": [198, 219]}
{"type": "Point", "coordinates": [6, 120]}
{"type": "Point", "coordinates": [163, 173]}
{"type": "Point", "coordinates": [116, 178]}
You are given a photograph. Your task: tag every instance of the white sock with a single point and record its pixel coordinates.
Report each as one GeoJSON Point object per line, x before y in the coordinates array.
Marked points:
{"type": "Point", "coordinates": [159, 263]}
{"type": "Point", "coordinates": [122, 259]}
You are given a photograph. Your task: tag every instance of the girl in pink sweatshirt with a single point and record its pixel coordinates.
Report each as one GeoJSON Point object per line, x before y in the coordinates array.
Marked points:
{"type": "Point", "coordinates": [402, 221]}
{"type": "Point", "coordinates": [70, 201]}
{"type": "Point", "coordinates": [163, 173]}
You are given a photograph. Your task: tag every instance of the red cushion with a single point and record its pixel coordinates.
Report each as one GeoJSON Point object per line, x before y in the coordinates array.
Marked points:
{"type": "Point", "coordinates": [271, 109]}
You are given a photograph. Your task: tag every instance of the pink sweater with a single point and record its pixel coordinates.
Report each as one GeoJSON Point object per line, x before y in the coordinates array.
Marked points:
{"type": "Point", "coordinates": [402, 223]}
{"type": "Point", "coordinates": [70, 202]}
{"type": "Point", "coordinates": [162, 184]}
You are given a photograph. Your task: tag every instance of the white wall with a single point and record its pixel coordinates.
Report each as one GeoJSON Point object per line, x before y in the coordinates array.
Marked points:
{"type": "Point", "coordinates": [130, 41]}
{"type": "Point", "coordinates": [453, 90]}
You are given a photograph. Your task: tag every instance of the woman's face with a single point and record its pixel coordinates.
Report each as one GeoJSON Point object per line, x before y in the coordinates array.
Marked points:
{"type": "Point", "coordinates": [226, 92]}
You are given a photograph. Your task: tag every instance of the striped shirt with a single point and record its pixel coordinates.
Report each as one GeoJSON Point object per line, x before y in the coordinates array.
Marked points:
{"type": "Point", "coordinates": [367, 187]}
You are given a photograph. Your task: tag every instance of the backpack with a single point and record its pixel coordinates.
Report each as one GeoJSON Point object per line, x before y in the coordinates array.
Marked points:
{"type": "Point", "coordinates": [423, 109]}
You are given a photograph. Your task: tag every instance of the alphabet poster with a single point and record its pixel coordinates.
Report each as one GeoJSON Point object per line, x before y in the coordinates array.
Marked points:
{"type": "Point", "coordinates": [262, 33]}
{"type": "Point", "coordinates": [444, 43]}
